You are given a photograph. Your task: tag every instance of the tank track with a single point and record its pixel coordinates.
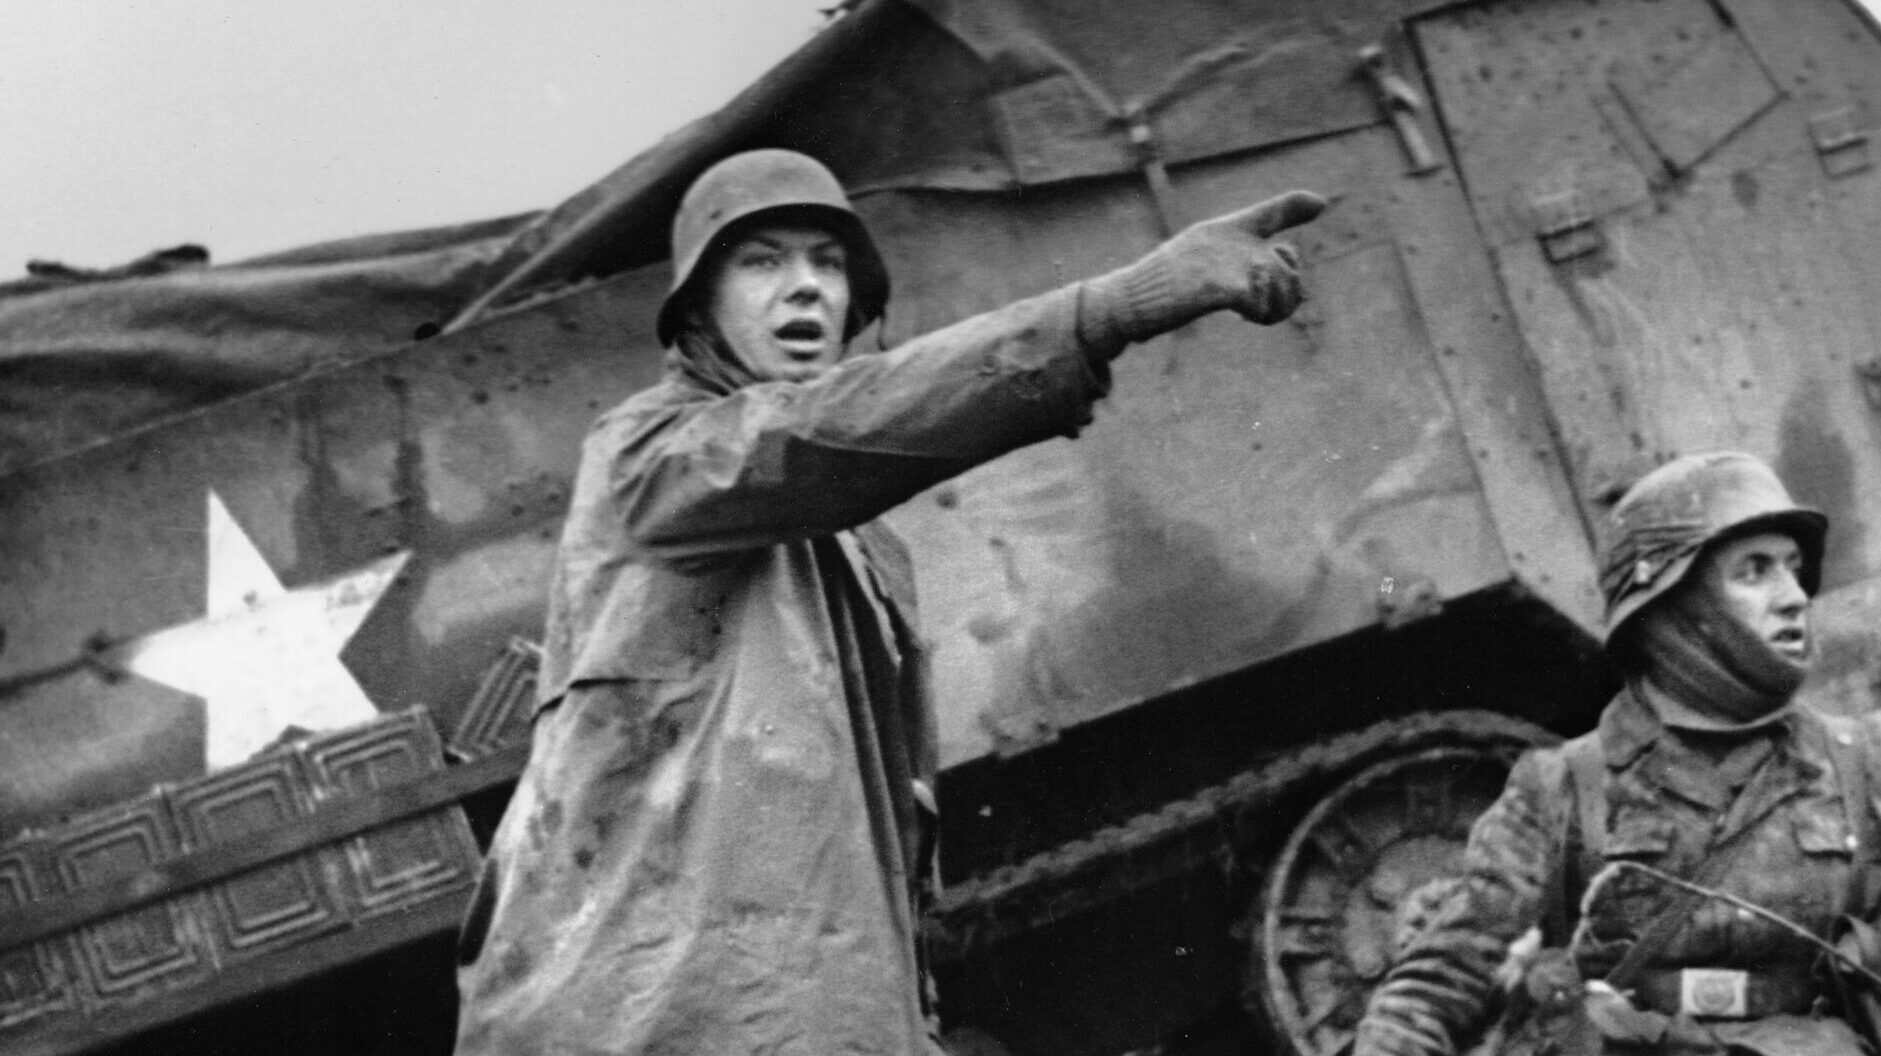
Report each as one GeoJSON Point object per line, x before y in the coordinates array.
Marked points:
{"type": "Point", "coordinates": [1203, 830]}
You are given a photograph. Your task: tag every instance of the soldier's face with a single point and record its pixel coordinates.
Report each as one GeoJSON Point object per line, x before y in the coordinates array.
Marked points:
{"type": "Point", "coordinates": [1758, 578]}
{"type": "Point", "coordinates": [780, 297]}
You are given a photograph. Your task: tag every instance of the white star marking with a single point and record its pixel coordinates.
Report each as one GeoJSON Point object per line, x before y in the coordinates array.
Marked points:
{"type": "Point", "coordinates": [264, 657]}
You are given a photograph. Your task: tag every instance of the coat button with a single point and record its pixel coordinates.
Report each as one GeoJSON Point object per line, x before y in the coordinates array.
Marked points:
{"type": "Point", "coordinates": [1852, 843]}
{"type": "Point", "coordinates": [1844, 739]}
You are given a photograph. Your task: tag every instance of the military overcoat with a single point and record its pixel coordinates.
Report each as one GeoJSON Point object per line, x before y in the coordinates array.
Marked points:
{"type": "Point", "coordinates": [714, 846]}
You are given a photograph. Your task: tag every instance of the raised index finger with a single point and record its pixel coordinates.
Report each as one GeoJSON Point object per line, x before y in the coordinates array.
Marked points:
{"type": "Point", "coordinates": [1269, 218]}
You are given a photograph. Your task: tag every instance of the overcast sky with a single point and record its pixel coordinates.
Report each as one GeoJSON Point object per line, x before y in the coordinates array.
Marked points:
{"type": "Point", "coordinates": [255, 125]}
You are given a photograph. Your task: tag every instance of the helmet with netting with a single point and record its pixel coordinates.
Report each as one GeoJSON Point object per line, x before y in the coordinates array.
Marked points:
{"type": "Point", "coordinates": [1664, 522]}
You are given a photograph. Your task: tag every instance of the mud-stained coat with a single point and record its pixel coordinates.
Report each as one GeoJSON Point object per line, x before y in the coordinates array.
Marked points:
{"type": "Point", "coordinates": [1801, 859]}
{"type": "Point", "coordinates": [714, 847]}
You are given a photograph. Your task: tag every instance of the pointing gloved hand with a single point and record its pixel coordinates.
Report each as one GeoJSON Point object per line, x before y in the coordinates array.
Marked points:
{"type": "Point", "coordinates": [1227, 262]}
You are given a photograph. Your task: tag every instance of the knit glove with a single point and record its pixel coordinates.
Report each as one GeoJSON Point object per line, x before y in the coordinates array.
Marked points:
{"type": "Point", "coordinates": [1226, 262]}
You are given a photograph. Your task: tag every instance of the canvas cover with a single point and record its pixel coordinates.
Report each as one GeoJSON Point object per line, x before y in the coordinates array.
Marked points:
{"type": "Point", "coordinates": [980, 95]}
{"type": "Point", "coordinates": [989, 96]}
{"type": "Point", "coordinates": [86, 355]}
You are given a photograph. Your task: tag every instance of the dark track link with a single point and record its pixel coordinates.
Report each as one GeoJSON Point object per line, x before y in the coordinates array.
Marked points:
{"type": "Point", "coordinates": [1187, 834]}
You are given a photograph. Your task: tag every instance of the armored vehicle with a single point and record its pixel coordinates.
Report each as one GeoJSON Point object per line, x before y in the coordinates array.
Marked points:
{"type": "Point", "coordinates": [1220, 682]}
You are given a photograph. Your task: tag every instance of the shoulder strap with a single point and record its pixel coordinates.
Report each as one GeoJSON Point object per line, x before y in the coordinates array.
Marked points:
{"type": "Point", "coordinates": [1581, 835]}
{"type": "Point", "coordinates": [1849, 751]}
{"type": "Point", "coordinates": [1589, 765]}
{"type": "Point", "coordinates": [1852, 752]}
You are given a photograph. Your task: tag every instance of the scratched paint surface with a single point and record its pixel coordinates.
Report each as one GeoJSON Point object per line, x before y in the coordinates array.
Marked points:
{"type": "Point", "coordinates": [1243, 492]}
{"type": "Point", "coordinates": [1729, 300]}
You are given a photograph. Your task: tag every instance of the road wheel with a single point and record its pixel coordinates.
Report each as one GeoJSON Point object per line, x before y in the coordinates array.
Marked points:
{"type": "Point", "coordinates": [1326, 923]}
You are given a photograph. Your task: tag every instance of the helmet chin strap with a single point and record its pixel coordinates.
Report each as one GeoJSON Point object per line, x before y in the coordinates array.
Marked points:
{"type": "Point", "coordinates": [1698, 652]}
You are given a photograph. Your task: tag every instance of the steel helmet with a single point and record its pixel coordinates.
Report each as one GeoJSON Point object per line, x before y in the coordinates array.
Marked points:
{"type": "Point", "coordinates": [1666, 519]}
{"type": "Point", "coordinates": [775, 185]}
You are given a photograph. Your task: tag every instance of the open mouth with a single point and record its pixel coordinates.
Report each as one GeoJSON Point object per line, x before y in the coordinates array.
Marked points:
{"type": "Point", "coordinates": [801, 335]}
{"type": "Point", "coordinates": [1790, 641]}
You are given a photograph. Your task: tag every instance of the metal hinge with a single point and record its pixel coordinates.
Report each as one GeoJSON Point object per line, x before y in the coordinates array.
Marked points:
{"type": "Point", "coordinates": [1402, 104]}
{"type": "Point", "coordinates": [1566, 226]}
{"type": "Point", "coordinates": [1149, 157]}
{"type": "Point", "coordinates": [1842, 147]}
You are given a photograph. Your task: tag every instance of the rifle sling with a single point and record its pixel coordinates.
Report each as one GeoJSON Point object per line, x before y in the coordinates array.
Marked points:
{"type": "Point", "coordinates": [1674, 916]}
{"type": "Point", "coordinates": [1845, 755]}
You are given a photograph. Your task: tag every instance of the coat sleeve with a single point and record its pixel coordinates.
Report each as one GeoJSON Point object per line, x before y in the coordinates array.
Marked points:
{"type": "Point", "coordinates": [779, 461]}
{"type": "Point", "coordinates": [1437, 996]}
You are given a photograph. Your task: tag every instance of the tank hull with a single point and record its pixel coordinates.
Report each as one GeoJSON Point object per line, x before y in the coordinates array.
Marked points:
{"type": "Point", "coordinates": [1569, 241]}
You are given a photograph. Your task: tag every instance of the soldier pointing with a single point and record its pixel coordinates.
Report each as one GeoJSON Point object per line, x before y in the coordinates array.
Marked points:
{"type": "Point", "coordinates": [721, 838]}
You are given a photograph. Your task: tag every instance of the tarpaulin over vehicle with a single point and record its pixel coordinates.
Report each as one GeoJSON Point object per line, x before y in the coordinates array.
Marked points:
{"type": "Point", "coordinates": [961, 95]}
{"type": "Point", "coordinates": [978, 95]}
{"type": "Point", "coordinates": [87, 355]}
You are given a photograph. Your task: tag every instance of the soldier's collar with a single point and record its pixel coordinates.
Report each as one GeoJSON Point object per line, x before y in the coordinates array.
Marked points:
{"type": "Point", "coordinates": [1629, 726]}
{"type": "Point", "coordinates": [1675, 713]}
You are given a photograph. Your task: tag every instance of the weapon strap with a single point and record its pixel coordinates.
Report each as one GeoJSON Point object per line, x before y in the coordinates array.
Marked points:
{"type": "Point", "coordinates": [1580, 831]}
{"type": "Point", "coordinates": [1677, 911]}
{"type": "Point", "coordinates": [1587, 772]}
{"type": "Point", "coordinates": [1588, 764]}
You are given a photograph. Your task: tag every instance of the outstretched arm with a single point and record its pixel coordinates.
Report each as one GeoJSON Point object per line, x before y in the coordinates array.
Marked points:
{"type": "Point", "coordinates": [782, 460]}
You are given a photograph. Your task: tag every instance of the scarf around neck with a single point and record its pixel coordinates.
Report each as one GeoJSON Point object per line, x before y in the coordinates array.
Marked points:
{"type": "Point", "coordinates": [701, 357]}
{"type": "Point", "coordinates": [1719, 675]}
